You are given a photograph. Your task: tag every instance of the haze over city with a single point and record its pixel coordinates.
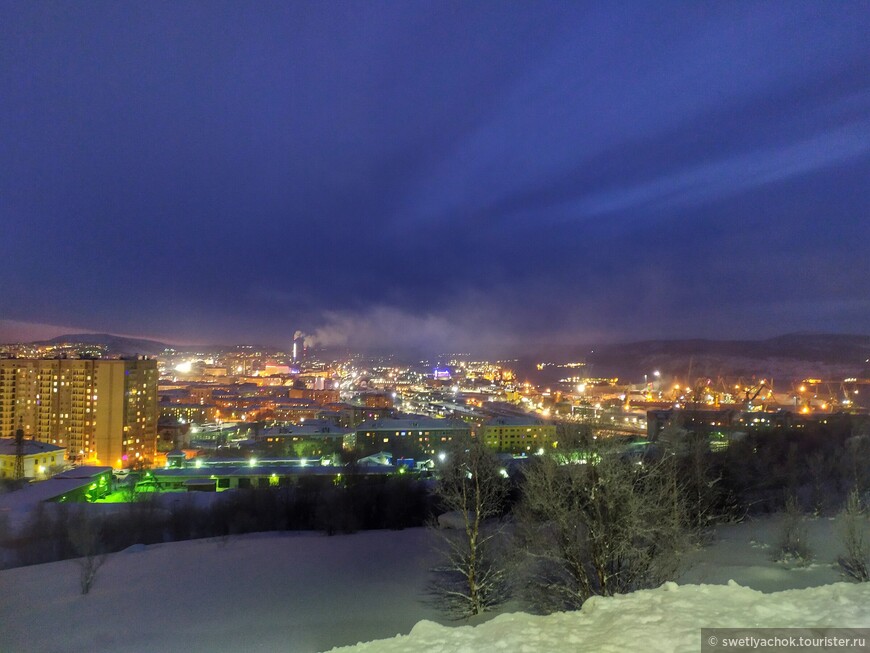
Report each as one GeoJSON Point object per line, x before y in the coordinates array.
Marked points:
{"type": "Point", "coordinates": [434, 174]}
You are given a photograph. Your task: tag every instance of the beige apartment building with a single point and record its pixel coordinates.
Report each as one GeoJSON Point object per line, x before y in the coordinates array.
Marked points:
{"type": "Point", "coordinates": [515, 434]}
{"type": "Point", "coordinates": [101, 411]}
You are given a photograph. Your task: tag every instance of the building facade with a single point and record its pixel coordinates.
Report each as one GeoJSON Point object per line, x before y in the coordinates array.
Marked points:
{"type": "Point", "coordinates": [514, 434]}
{"type": "Point", "coordinates": [409, 437]}
{"type": "Point", "coordinates": [98, 410]}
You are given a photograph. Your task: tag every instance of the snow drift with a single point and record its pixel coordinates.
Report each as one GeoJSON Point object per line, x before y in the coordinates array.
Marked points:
{"type": "Point", "coordinates": [667, 619]}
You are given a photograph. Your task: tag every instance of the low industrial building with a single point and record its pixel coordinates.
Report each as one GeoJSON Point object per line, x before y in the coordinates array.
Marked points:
{"type": "Point", "coordinates": [80, 484]}
{"type": "Point", "coordinates": [242, 475]}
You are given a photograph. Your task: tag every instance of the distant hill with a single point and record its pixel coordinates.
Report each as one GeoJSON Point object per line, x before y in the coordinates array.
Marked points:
{"type": "Point", "coordinates": [794, 355]}
{"type": "Point", "coordinates": [121, 345]}
{"type": "Point", "coordinates": [791, 356]}
{"type": "Point", "coordinates": [114, 344]}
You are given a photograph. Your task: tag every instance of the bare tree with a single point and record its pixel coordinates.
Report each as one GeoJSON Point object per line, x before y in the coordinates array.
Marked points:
{"type": "Point", "coordinates": [820, 472]}
{"type": "Point", "coordinates": [129, 489]}
{"type": "Point", "coordinates": [472, 489]}
{"type": "Point", "coordinates": [600, 524]}
{"type": "Point", "coordinates": [85, 536]}
{"type": "Point", "coordinates": [855, 469]}
{"type": "Point", "coordinates": [571, 436]}
{"type": "Point", "coordinates": [855, 562]}
{"type": "Point", "coordinates": [690, 454]}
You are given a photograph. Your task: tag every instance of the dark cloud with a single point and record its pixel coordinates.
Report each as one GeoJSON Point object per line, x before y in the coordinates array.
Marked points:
{"type": "Point", "coordinates": [435, 174]}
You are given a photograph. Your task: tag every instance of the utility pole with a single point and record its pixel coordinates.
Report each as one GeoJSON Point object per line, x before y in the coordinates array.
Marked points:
{"type": "Point", "coordinates": [18, 473]}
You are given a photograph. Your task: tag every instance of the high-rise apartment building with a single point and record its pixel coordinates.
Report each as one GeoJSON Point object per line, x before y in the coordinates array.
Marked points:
{"type": "Point", "coordinates": [99, 410]}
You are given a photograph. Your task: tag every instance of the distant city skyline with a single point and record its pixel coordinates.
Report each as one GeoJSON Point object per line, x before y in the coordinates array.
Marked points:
{"type": "Point", "coordinates": [449, 176]}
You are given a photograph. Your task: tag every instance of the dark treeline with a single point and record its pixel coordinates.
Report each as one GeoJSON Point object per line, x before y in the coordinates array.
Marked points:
{"type": "Point", "coordinates": [313, 504]}
{"type": "Point", "coordinates": [816, 466]}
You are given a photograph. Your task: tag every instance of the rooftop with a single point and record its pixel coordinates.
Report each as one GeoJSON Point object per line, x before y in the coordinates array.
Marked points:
{"type": "Point", "coordinates": [411, 424]}
{"type": "Point", "coordinates": [313, 429]}
{"type": "Point", "coordinates": [259, 471]}
{"type": "Point", "coordinates": [516, 420]}
{"type": "Point", "coordinates": [29, 447]}
{"type": "Point", "coordinates": [85, 471]}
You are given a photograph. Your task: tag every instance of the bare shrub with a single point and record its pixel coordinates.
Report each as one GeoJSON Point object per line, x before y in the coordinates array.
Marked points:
{"type": "Point", "coordinates": [792, 545]}
{"type": "Point", "coordinates": [821, 472]}
{"type": "Point", "coordinates": [85, 536]}
{"type": "Point", "coordinates": [599, 525]}
{"type": "Point", "coordinates": [855, 562]}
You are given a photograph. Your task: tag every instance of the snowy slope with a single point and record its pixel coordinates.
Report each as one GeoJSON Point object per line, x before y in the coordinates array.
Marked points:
{"type": "Point", "coordinates": [307, 592]}
{"type": "Point", "coordinates": [744, 552]}
{"type": "Point", "coordinates": [260, 592]}
{"type": "Point", "coordinates": [667, 619]}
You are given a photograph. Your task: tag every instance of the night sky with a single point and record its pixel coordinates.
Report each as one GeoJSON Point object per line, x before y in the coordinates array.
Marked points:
{"type": "Point", "coordinates": [457, 175]}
